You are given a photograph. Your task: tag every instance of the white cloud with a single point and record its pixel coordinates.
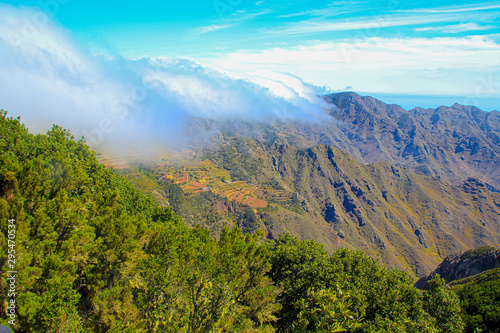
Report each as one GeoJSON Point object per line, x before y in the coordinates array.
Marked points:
{"type": "Point", "coordinates": [455, 8]}
{"type": "Point", "coordinates": [324, 19]}
{"type": "Point", "coordinates": [455, 28]}
{"type": "Point", "coordinates": [366, 25]}
{"type": "Point", "coordinates": [335, 8]}
{"type": "Point", "coordinates": [206, 92]}
{"type": "Point", "coordinates": [46, 78]}
{"type": "Point", "coordinates": [243, 15]}
{"type": "Point", "coordinates": [212, 28]}
{"type": "Point", "coordinates": [397, 65]}
{"type": "Point", "coordinates": [231, 20]}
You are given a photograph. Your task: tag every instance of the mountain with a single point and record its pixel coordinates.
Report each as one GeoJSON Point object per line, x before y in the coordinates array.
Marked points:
{"type": "Point", "coordinates": [455, 142]}
{"type": "Point", "coordinates": [371, 176]}
{"type": "Point", "coordinates": [405, 219]}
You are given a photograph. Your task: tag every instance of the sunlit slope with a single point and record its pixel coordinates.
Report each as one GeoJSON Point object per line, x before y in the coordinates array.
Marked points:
{"type": "Point", "coordinates": [407, 220]}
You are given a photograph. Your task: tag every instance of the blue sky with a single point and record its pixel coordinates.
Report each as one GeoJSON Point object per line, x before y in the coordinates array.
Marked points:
{"type": "Point", "coordinates": [416, 53]}
{"type": "Point", "coordinates": [199, 28]}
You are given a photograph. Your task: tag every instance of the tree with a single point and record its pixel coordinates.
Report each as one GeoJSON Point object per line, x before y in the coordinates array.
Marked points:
{"type": "Point", "coordinates": [326, 311]}
{"type": "Point", "coordinates": [347, 291]}
{"type": "Point", "coordinates": [54, 310]}
{"type": "Point", "coordinates": [443, 305]}
{"type": "Point", "coordinates": [480, 302]}
{"type": "Point", "coordinates": [80, 230]}
{"type": "Point", "coordinates": [193, 283]}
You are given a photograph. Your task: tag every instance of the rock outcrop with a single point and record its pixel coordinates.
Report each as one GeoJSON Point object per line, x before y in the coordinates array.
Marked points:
{"type": "Point", "coordinates": [461, 266]}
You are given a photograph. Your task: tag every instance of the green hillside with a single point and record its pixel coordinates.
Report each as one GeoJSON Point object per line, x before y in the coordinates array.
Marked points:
{"type": "Point", "coordinates": [404, 219]}
{"type": "Point", "coordinates": [407, 220]}
{"type": "Point", "coordinates": [94, 254]}
{"type": "Point", "coordinates": [480, 301]}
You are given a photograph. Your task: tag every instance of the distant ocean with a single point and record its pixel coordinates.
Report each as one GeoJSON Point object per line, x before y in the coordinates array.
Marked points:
{"type": "Point", "coordinates": [409, 102]}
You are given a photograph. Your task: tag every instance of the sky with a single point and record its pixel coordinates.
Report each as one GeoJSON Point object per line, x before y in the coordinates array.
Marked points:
{"type": "Point", "coordinates": [239, 56]}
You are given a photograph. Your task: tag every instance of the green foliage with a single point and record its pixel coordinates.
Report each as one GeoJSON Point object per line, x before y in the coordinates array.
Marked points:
{"type": "Point", "coordinates": [444, 305]}
{"type": "Point", "coordinates": [94, 254]}
{"type": "Point", "coordinates": [480, 302]}
{"type": "Point", "coordinates": [248, 220]}
{"type": "Point", "coordinates": [55, 310]}
{"type": "Point", "coordinates": [175, 196]}
{"type": "Point", "coordinates": [197, 284]}
{"type": "Point", "coordinates": [80, 230]}
{"type": "Point", "coordinates": [326, 310]}
{"type": "Point", "coordinates": [346, 291]}
{"type": "Point", "coordinates": [477, 252]}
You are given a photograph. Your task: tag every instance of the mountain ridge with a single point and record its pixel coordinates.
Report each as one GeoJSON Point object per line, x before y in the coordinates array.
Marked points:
{"type": "Point", "coordinates": [405, 219]}
{"type": "Point", "coordinates": [455, 142]}
{"type": "Point", "coordinates": [375, 177]}
{"type": "Point", "coordinates": [456, 268]}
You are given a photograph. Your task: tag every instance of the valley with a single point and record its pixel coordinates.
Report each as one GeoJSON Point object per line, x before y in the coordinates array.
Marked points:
{"type": "Point", "coordinates": [364, 197]}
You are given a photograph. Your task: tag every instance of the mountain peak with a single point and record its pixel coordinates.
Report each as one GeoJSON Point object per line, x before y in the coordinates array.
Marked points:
{"type": "Point", "coordinates": [446, 141]}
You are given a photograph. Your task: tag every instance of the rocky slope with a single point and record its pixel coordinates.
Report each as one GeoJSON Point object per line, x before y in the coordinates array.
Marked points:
{"type": "Point", "coordinates": [456, 142]}
{"type": "Point", "coordinates": [460, 266]}
{"type": "Point", "coordinates": [405, 219]}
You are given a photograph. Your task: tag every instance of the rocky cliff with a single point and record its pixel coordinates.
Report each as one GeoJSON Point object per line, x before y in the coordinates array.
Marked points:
{"type": "Point", "coordinates": [456, 142]}
{"type": "Point", "coordinates": [405, 219]}
{"type": "Point", "coordinates": [461, 266]}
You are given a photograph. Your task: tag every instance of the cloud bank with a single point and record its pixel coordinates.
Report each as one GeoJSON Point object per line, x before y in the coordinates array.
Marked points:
{"type": "Point", "coordinates": [425, 66]}
{"type": "Point", "coordinates": [47, 78]}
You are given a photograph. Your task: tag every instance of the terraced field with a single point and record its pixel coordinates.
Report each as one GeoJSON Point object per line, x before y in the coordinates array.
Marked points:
{"type": "Point", "coordinates": [111, 161]}
{"type": "Point", "coordinates": [196, 176]}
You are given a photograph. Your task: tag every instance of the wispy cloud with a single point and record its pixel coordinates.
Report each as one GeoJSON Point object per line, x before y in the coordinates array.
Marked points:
{"type": "Point", "coordinates": [236, 18]}
{"type": "Point", "coordinates": [454, 8]}
{"type": "Point", "coordinates": [243, 15]}
{"type": "Point", "coordinates": [308, 27]}
{"type": "Point", "coordinates": [329, 19]}
{"type": "Point", "coordinates": [335, 8]}
{"type": "Point", "coordinates": [212, 28]}
{"type": "Point", "coordinates": [399, 65]}
{"type": "Point", "coordinates": [456, 28]}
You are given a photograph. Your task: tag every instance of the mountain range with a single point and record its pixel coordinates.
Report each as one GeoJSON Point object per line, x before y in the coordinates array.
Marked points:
{"type": "Point", "coordinates": [407, 187]}
{"type": "Point", "coordinates": [455, 142]}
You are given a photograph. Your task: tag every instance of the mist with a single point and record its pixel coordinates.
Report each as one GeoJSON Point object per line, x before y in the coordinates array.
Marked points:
{"type": "Point", "coordinates": [47, 78]}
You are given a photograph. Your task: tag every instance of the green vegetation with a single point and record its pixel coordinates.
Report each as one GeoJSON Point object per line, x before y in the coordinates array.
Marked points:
{"type": "Point", "coordinates": [480, 302]}
{"type": "Point", "coordinates": [94, 254]}
{"type": "Point", "coordinates": [477, 252]}
{"type": "Point", "coordinates": [349, 292]}
{"type": "Point", "coordinates": [235, 156]}
{"type": "Point", "coordinates": [444, 305]}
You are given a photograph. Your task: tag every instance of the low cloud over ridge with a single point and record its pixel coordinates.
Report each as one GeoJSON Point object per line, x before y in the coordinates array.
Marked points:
{"type": "Point", "coordinates": [47, 78]}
